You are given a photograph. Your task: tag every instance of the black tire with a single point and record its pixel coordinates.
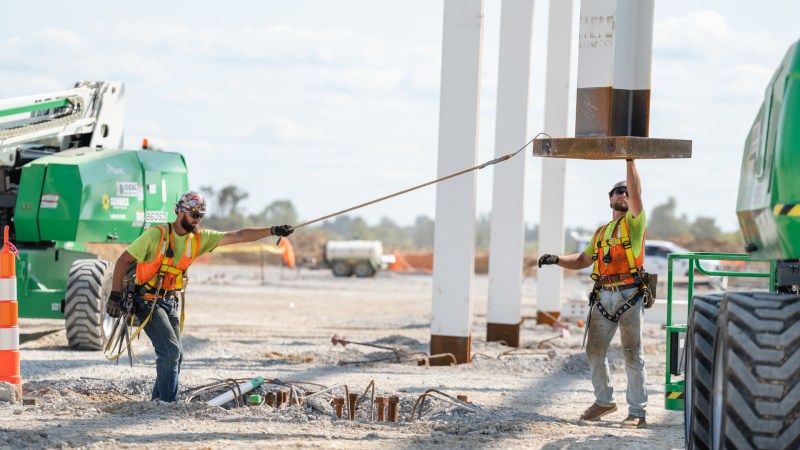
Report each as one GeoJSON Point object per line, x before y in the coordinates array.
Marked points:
{"type": "Point", "coordinates": [757, 372]}
{"type": "Point", "coordinates": [341, 269]}
{"type": "Point", "coordinates": [700, 335]}
{"type": "Point", "coordinates": [364, 269]}
{"type": "Point", "coordinates": [88, 287]}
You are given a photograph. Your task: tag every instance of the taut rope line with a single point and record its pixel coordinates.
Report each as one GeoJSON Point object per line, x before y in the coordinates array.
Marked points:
{"type": "Point", "coordinates": [452, 175]}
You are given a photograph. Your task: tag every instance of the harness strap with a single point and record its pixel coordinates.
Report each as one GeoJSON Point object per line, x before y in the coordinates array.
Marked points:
{"type": "Point", "coordinates": [623, 240]}
{"type": "Point", "coordinates": [183, 309]}
{"type": "Point", "coordinates": [598, 244]}
{"type": "Point", "coordinates": [629, 303]}
{"type": "Point", "coordinates": [600, 281]}
{"type": "Point", "coordinates": [626, 244]}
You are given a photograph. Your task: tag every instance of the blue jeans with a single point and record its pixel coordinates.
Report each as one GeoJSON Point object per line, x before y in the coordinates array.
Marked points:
{"type": "Point", "coordinates": [601, 332]}
{"type": "Point", "coordinates": [164, 332]}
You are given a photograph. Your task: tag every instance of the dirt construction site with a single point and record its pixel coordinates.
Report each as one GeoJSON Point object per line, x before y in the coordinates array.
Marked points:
{"type": "Point", "coordinates": [245, 321]}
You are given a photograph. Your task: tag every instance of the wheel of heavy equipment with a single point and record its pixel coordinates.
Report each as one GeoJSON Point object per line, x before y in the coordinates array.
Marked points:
{"type": "Point", "coordinates": [755, 398]}
{"type": "Point", "coordinates": [342, 269]}
{"type": "Point", "coordinates": [702, 329]}
{"type": "Point", "coordinates": [88, 287]}
{"type": "Point", "coordinates": [364, 269]}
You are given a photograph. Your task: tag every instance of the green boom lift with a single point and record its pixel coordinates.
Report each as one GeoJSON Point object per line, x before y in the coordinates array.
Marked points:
{"type": "Point", "coordinates": [739, 360]}
{"type": "Point", "coordinates": [65, 182]}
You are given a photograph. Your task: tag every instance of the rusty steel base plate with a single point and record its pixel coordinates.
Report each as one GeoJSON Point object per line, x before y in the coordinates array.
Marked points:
{"type": "Point", "coordinates": [612, 147]}
{"type": "Point", "coordinates": [459, 346]}
{"type": "Point", "coordinates": [508, 333]}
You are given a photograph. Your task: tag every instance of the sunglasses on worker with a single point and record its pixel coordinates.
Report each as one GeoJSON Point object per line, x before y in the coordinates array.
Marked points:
{"type": "Point", "coordinates": [196, 215]}
{"type": "Point", "coordinates": [620, 191]}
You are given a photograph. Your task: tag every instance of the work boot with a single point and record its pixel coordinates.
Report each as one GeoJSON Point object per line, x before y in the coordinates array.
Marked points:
{"type": "Point", "coordinates": [596, 411]}
{"type": "Point", "coordinates": [633, 422]}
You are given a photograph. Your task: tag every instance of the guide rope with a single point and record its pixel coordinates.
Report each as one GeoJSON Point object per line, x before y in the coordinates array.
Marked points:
{"type": "Point", "coordinates": [438, 180]}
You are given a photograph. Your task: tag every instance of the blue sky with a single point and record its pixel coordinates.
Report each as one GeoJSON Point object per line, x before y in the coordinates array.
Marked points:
{"type": "Point", "coordinates": [331, 104]}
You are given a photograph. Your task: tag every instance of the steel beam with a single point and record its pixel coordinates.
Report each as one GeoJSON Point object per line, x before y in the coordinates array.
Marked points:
{"type": "Point", "coordinates": [613, 147]}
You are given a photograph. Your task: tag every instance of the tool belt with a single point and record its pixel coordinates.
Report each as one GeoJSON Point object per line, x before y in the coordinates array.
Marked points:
{"type": "Point", "coordinates": [149, 293]}
{"type": "Point", "coordinates": [604, 280]}
{"type": "Point", "coordinates": [594, 300]}
{"type": "Point", "coordinates": [617, 287]}
{"type": "Point", "coordinates": [646, 290]}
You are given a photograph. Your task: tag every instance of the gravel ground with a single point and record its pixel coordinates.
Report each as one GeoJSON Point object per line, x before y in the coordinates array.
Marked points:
{"type": "Point", "coordinates": [244, 321]}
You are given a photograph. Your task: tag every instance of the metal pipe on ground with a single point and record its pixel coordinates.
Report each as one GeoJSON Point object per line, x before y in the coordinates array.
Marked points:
{"type": "Point", "coordinates": [343, 341]}
{"type": "Point", "coordinates": [426, 361]}
{"type": "Point", "coordinates": [455, 401]}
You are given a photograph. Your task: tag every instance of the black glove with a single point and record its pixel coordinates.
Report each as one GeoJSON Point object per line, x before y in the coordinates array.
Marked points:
{"type": "Point", "coordinates": [548, 259]}
{"type": "Point", "coordinates": [114, 304]}
{"type": "Point", "coordinates": [282, 230]}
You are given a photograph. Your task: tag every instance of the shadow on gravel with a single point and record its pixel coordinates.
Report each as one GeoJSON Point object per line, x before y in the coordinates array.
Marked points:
{"type": "Point", "coordinates": [97, 433]}
{"type": "Point", "coordinates": [29, 337]}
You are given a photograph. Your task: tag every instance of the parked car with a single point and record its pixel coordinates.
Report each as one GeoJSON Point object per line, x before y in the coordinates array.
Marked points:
{"type": "Point", "coordinates": [655, 259]}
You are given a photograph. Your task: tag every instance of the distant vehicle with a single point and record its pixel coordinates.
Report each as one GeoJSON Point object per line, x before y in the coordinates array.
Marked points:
{"type": "Point", "coordinates": [360, 258]}
{"type": "Point", "coordinates": [655, 259]}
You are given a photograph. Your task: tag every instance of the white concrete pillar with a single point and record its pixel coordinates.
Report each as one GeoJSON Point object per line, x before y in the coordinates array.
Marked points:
{"type": "Point", "coordinates": [615, 47]}
{"type": "Point", "coordinates": [507, 238]}
{"type": "Point", "coordinates": [454, 235]}
{"type": "Point", "coordinates": [556, 120]}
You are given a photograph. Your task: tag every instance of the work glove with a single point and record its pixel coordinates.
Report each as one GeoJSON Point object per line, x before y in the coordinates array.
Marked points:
{"type": "Point", "coordinates": [281, 230]}
{"type": "Point", "coordinates": [114, 304]}
{"type": "Point", "coordinates": [547, 260]}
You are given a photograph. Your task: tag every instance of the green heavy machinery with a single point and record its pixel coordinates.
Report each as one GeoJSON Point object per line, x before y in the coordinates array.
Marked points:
{"type": "Point", "coordinates": [65, 183]}
{"type": "Point", "coordinates": [740, 361]}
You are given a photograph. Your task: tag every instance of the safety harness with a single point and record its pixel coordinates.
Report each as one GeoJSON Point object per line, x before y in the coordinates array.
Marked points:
{"type": "Point", "coordinates": [163, 279]}
{"type": "Point", "coordinates": [615, 280]}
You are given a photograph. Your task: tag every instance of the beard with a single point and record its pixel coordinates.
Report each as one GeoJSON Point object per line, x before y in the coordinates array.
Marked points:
{"type": "Point", "coordinates": [190, 228]}
{"type": "Point", "coordinates": [620, 206]}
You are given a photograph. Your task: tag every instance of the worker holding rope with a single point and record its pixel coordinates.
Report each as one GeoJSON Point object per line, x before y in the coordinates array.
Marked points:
{"type": "Point", "coordinates": [620, 294]}
{"type": "Point", "coordinates": [163, 254]}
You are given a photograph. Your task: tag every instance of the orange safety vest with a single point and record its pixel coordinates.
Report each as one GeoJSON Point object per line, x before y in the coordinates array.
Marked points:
{"type": "Point", "coordinates": [621, 258]}
{"type": "Point", "coordinates": [147, 273]}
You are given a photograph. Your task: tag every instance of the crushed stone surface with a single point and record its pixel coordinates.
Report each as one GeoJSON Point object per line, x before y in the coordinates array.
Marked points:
{"type": "Point", "coordinates": [278, 323]}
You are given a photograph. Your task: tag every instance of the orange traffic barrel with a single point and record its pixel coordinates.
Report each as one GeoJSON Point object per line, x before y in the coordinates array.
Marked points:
{"type": "Point", "coordinates": [9, 327]}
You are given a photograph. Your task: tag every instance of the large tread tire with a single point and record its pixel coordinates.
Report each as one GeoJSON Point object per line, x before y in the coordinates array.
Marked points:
{"type": "Point", "coordinates": [756, 393]}
{"type": "Point", "coordinates": [701, 332]}
{"type": "Point", "coordinates": [342, 269]}
{"type": "Point", "coordinates": [364, 269]}
{"type": "Point", "coordinates": [88, 287]}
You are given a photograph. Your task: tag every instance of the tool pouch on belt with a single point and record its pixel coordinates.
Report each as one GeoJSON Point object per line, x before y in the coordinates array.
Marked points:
{"type": "Point", "coordinates": [649, 290]}
{"type": "Point", "coordinates": [128, 287]}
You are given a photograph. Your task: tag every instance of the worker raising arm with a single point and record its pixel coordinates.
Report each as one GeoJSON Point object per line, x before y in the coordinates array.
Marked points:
{"type": "Point", "coordinates": [617, 252]}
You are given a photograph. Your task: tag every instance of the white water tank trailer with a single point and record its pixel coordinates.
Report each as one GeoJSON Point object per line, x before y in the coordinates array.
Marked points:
{"type": "Point", "coordinates": [362, 258]}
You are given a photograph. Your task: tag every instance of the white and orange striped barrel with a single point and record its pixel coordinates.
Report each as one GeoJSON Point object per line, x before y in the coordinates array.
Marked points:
{"type": "Point", "coordinates": [9, 328]}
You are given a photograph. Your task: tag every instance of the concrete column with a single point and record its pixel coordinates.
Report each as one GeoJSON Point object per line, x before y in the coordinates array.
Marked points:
{"type": "Point", "coordinates": [507, 239]}
{"type": "Point", "coordinates": [615, 47]}
{"type": "Point", "coordinates": [454, 236]}
{"type": "Point", "coordinates": [556, 119]}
